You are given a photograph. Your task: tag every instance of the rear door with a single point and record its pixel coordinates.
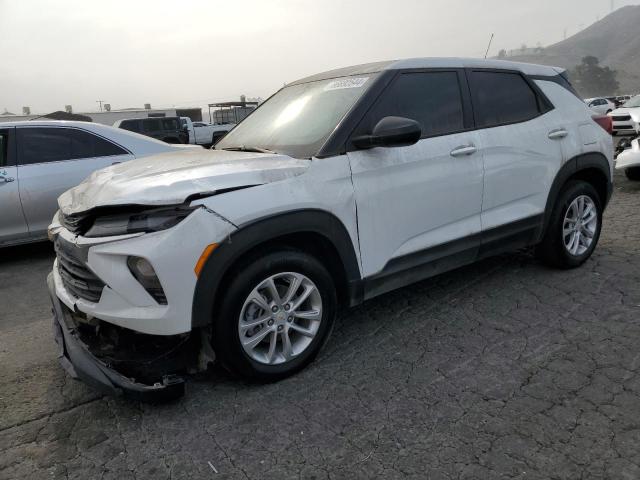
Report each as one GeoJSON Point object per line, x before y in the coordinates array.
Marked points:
{"type": "Point", "coordinates": [13, 225]}
{"type": "Point", "coordinates": [521, 147]}
{"type": "Point", "coordinates": [51, 160]}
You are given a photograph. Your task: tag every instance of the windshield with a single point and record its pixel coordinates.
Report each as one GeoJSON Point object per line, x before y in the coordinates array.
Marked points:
{"type": "Point", "coordinates": [634, 102]}
{"type": "Point", "coordinates": [298, 119]}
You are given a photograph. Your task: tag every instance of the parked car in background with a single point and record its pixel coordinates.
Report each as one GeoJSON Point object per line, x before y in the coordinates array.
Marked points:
{"type": "Point", "coordinates": [628, 159]}
{"type": "Point", "coordinates": [41, 159]}
{"type": "Point", "coordinates": [205, 134]}
{"type": "Point", "coordinates": [626, 119]}
{"type": "Point", "coordinates": [615, 101]}
{"type": "Point", "coordinates": [167, 129]}
{"type": "Point", "coordinates": [600, 105]}
{"type": "Point", "coordinates": [339, 188]}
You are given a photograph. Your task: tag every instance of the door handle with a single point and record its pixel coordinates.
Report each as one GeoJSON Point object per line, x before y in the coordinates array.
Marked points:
{"type": "Point", "coordinates": [464, 150]}
{"type": "Point", "coordinates": [7, 179]}
{"type": "Point", "coordinates": [558, 134]}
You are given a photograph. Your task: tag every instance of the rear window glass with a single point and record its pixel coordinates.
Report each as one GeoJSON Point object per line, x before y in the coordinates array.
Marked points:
{"type": "Point", "coordinates": [4, 149]}
{"type": "Point", "coordinates": [501, 98]}
{"type": "Point", "coordinates": [131, 125]}
{"type": "Point", "coordinates": [43, 145]}
{"type": "Point", "coordinates": [151, 125]}
{"type": "Point", "coordinates": [170, 124]}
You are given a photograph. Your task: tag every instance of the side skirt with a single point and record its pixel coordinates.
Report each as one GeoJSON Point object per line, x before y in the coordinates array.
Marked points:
{"type": "Point", "coordinates": [412, 268]}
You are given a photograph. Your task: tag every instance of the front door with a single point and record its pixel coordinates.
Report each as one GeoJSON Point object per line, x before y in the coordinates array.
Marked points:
{"type": "Point", "coordinates": [13, 226]}
{"type": "Point", "coordinates": [420, 203]}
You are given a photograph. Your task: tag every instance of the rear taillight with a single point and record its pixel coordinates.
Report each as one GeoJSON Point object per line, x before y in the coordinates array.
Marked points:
{"type": "Point", "coordinates": [605, 121]}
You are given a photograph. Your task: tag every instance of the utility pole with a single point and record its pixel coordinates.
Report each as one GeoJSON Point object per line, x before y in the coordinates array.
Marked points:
{"type": "Point", "coordinates": [100, 102]}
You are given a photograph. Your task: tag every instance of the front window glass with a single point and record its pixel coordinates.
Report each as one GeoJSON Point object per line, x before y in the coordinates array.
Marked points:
{"type": "Point", "coordinates": [431, 98]}
{"type": "Point", "coordinates": [298, 119]}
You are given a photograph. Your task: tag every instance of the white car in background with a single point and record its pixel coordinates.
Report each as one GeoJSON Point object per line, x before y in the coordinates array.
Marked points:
{"type": "Point", "coordinates": [629, 161]}
{"type": "Point", "coordinates": [41, 159]}
{"type": "Point", "coordinates": [626, 119]}
{"type": "Point", "coordinates": [600, 105]}
{"type": "Point", "coordinates": [205, 134]}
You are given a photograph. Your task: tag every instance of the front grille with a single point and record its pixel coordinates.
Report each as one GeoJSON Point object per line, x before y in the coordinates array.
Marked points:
{"type": "Point", "coordinates": [76, 277]}
{"type": "Point", "coordinates": [78, 224]}
{"type": "Point", "coordinates": [623, 127]}
{"type": "Point", "coordinates": [621, 118]}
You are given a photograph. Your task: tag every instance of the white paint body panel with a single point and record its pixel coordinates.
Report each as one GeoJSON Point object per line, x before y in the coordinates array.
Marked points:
{"type": "Point", "coordinates": [416, 197]}
{"type": "Point", "coordinates": [629, 158]}
{"type": "Point", "coordinates": [520, 163]}
{"type": "Point", "coordinates": [173, 254]}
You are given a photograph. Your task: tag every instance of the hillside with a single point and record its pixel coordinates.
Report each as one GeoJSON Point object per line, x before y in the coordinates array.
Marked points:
{"type": "Point", "coordinates": [615, 40]}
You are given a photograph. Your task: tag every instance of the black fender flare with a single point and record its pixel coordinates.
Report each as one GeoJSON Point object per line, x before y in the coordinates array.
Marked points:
{"type": "Point", "coordinates": [592, 160]}
{"type": "Point", "coordinates": [255, 233]}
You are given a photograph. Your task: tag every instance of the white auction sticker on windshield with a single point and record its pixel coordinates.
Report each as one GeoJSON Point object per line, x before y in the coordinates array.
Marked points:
{"type": "Point", "coordinates": [346, 83]}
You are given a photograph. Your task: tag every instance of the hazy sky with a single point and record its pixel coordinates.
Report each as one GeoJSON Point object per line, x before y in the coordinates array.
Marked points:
{"type": "Point", "coordinates": [191, 52]}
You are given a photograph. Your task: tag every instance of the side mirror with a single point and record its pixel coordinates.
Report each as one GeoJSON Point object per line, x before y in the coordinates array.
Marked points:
{"type": "Point", "coordinates": [391, 132]}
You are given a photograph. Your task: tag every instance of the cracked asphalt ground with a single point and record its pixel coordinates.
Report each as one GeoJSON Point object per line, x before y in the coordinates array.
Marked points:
{"type": "Point", "coordinates": [504, 369]}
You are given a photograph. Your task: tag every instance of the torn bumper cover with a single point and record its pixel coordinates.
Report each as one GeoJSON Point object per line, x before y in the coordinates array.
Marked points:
{"type": "Point", "coordinates": [80, 363]}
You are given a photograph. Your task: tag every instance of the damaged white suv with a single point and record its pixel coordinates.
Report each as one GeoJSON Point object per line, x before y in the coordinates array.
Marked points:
{"type": "Point", "coordinates": [341, 187]}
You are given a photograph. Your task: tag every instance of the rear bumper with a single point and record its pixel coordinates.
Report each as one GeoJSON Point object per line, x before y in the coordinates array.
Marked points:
{"type": "Point", "coordinates": [81, 364]}
{"type": "Point", "coordinates": [626, 127]}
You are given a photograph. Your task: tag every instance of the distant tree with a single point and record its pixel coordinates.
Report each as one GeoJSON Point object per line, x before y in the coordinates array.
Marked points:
{"type": "Point", "coordinates": [593, 80]}
{"type": "Point", "coordinates": [502, 53]}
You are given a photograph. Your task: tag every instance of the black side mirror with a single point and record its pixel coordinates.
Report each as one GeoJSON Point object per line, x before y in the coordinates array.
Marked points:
{"type": "Point", "coordinates": [391, 132]}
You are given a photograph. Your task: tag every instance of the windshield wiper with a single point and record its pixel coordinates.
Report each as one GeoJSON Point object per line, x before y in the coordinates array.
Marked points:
{"type": "Point", "coordinates": [243, 148]}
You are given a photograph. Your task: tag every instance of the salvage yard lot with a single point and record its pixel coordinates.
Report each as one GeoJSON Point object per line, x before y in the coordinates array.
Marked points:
{"type": "Point", "coordinates": [504, 369]}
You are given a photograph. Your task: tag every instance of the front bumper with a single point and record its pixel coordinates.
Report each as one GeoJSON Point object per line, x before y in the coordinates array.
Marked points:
{"type": "Point", "coordinates": [80, 363]}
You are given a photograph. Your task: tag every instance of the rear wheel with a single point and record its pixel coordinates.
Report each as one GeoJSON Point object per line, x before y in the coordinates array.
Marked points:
{"type": "Point", "coordinates": [574, 227]}
{"type": "Point", "coordinates": [633, 173]}
{"type": "Point", "coordinates": [277, 313]}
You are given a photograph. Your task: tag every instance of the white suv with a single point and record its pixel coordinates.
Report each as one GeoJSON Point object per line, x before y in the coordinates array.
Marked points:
{"type": "Point", "coordinates": [342, 186]}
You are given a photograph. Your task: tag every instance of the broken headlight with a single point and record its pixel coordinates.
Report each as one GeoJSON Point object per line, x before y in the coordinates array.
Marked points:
{"type": "Point", "coordinates": [145, 221]}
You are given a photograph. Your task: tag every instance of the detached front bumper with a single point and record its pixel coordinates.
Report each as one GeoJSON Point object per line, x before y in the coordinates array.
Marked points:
{"type": "Point", "coordinates": [80, 363]}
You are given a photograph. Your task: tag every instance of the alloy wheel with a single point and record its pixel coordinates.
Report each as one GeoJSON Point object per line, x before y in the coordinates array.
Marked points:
{"type": "Point", "coordinates": [580, 225]}
{"type": "Point", "coordinates": [280, 318]}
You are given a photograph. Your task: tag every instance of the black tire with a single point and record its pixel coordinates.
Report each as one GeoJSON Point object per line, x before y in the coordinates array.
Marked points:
{"type": "Point", "coordinates": [633, 174]}
{"type": "Point", "coordinates": [225, 337]}
{"type": "Point", "coordinates": [552, 250]}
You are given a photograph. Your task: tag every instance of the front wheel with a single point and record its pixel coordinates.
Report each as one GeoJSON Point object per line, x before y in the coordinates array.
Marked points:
{"type": "Point", "coordinates": [633, 173]}
{"type": "Point", "coordinates": [276, 315]}
{"type": "Point", "coordinates": [574, 227]}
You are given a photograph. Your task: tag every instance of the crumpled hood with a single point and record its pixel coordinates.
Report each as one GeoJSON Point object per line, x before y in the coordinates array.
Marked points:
{"type": "Point", "coordinates": [170, 178]}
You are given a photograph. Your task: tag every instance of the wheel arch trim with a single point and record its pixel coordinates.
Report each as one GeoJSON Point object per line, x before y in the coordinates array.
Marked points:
{"type": "Point", "coordinates": [587, 161]}
{"type": "Point", "coordinates": [264, 230]}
